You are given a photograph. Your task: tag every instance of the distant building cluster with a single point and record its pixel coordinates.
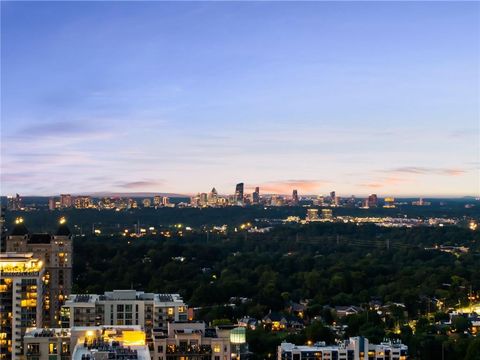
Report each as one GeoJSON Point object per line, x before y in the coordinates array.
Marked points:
{"type": "Point", "coordinates": [213, 199]}
{"type": "Point", "coordinates": [67, 201]}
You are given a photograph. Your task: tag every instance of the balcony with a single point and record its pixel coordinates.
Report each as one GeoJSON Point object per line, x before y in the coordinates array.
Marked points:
{"type": "Point", "coordinates": [189, 350]}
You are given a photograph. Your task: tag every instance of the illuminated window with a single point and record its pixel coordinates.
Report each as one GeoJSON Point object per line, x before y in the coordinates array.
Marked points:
{"type": "Point", "coordinates": [52, 348]}
{"type": "Point", "coordinates": [216, 348]}
{"type": "Point", "coordinates": [170, 311]}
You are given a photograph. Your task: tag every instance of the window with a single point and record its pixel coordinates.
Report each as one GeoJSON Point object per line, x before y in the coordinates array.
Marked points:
{"type": "Point", "coordinates": [33, 348]}
{"type": "Point", "coordinates": [120, 308]}
{"type": "Point", "coordinates": [170, 311]}
{"type": "Point", "coordinates": [160, 348]}
{"type": "Point", "coordinates": [216, 348]}
{"type": "Point", "coordinates": [52, 348]}
{"type": "Point", "coordinates": [128, 308]}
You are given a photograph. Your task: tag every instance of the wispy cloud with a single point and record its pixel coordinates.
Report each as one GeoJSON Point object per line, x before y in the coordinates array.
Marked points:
{"type": "Point", "coordinates": [428, 171]}
{"type": "Point", "coordinates": [140, 185]}
{"type": "Point", "coordinates": [286, 186]}
{"type": "Point", "coordinates": [386, 182]}
{"type": "Point", "coordinates": [56, 128]}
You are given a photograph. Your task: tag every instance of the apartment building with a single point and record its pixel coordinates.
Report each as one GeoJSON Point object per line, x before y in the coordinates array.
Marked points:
{"type": "Point", "coordinates": [87, 343]}
{"type": "Point", "coordinates": [356, 348]}
{"type": "Point", "coordinates": [55, 251]}
{"type": "Point", "coordinates": [192, 340]}
{"type": "Point", "coordinates": [21, 295]}
{"type": "Point", "coordinates": [124, 307]}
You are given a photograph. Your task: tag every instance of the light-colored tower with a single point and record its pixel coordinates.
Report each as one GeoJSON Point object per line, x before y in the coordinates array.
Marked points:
{"type": "Point", "coordinates": [56, 253]}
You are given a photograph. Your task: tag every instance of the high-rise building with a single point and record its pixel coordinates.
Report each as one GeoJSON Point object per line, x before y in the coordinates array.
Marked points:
{"type": "Point", "coordinates": [207, 343]}
{"type": "Point", "coordinates": [213, 197]}
{"type": "Point", "coordinates": [3, 229]}
{"type": "Point", "coordinates": [372, 200]}
{"type": "Point", "coordinates": [333, 197]}
{"type": "Point", "coordinates": [295, 199]}
{"type": "Point", "coordinates": [256, 196]}
{"type": "Point", "coordinates": [327, 214]}
{"type": "Point", "coordinates": [124, 307]}
{"type": "Point", "coordinates": [165, 201]}
{"type": "Point", "coordinates": [51, 204]}
{"type": "Point", "coordinates": [14, 203]}
{"type": "Point", "coordinates": [66, 200]}
{"type": "Point", "coordinates": [195, 200]}
{"type": "Point", "coordinates": [55, 251]}
{"type": "Point", "coordinates": [312, 214]}
{"type": "Point", "coordinates": [21, 295]}
{"type": "Point", "coordinates": [157, 201]}
{"type": "Point", "coordinates": [146, 203]}
{"type": "Point", "coordinates": [239, 194]}
{"type": "Point", "coordinates": [319, 201]}
{"type": "Point", "coordinates": [83, 202]}
{"type": "Point", "coordinates": [389, 202]}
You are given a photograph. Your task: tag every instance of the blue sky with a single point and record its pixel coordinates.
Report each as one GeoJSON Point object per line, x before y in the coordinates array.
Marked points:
{"type": "Point", "coordinates": [356, 97]}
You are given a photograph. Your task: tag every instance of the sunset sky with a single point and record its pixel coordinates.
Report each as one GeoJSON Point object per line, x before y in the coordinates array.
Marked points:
{"type": "Point", "coordinates": [356, 97]}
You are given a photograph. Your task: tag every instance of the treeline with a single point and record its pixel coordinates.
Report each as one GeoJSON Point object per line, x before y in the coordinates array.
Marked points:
{"type": "Point", "coordinates": [332, 264]}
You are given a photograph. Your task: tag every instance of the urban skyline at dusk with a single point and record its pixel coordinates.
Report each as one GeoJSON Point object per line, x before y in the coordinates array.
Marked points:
{"type": "Point", "coordinates": [180, 97]}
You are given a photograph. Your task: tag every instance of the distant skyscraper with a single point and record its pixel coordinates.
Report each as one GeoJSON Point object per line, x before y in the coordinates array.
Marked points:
{"type": "Point", "coordinates": [83, 202]}
{"type": "Point", "coordinates": [389, 202]}
{"type": "Point", "coordinates": [3, 229]}
{"type": "Point", "coordinates": [66, 200]}
{"type": "Point", "coordinates": [14, 203]}
{"type": "Point", "coordinates": [256, 196]}
{"type": "Point", "coordinates": [213, 197]}
{"type": "Point", "coordinates": [372, 200]}
{"type": "Point", "coordinates": [147, 203]}
{"type": "Point", "coordinates": [203, 199]}
{"type": "Point", "coordinates": [312, 214]}
{"type": "Point", "coordinates": [51, 204]}
{"type": "Point", "coordinates": [295, 199]}
{"type": "Point", "coordinates": [327, 214]}
{"type": "Point", "coordinates": [332, 197]}
{"type": "Point", "coordinates": [239, 194]}
{"type": "Point", "coordinates": [165, 201]}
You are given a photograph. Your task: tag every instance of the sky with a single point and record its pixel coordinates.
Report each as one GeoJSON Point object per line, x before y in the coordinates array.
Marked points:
{"type": "Point", "coordinates": [180, 97]}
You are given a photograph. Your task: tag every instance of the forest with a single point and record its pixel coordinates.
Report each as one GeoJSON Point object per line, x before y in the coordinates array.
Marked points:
{"type": "Point", "coordinates": [324, 265]}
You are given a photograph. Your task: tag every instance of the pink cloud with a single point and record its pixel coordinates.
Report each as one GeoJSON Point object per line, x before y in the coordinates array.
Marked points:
{"type": "Point", "coordinates": [140, 185]}
{"type": "Point", "coordinates": [287, 186]}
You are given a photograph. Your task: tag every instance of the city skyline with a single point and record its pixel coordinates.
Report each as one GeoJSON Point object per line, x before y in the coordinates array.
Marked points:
{"type": "Point", "coordinates": [181, 97]}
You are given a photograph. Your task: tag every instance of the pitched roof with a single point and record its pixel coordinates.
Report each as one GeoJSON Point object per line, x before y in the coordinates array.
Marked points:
{"type": "Point", "coordinates": [19, 230]}
{"type": "Point", "coordinates": [63, 230]}
{"type": "Point", "coordinates": [39, 239]}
